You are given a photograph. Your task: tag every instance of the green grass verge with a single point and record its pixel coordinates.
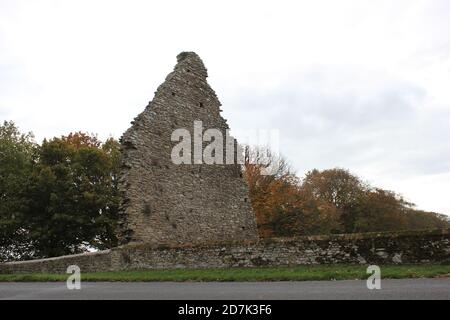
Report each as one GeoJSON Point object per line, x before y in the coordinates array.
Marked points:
{"type": "Point", "coordinates": [300, 273]}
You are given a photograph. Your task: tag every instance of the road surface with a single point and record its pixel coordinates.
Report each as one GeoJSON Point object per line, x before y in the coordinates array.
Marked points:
{"type": "Point", "coordinates": [353, 289]}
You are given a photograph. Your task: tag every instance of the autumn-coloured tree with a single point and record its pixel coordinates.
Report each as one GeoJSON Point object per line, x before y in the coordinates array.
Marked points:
{"type": "Point", "coordinates": [337, 187]}
{"type": "Point", "coordinates": [269, 194]}
{"type": "Point", "coordinates": [281, 206]}
{"type": "Point", "coordinates": [380, 210]}
{"type": "Point", "coordinates": [419, 219]}
{"type": "Point", "coordinates": [81, 139]}
{"type": "Point", "coordinates": [328, 201]}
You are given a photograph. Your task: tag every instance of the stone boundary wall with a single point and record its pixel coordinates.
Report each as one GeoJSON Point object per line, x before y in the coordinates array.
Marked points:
{"type": "Point", "coordinates": [88, 262]}
{"type": "Point", "coordinates": [411, 247]}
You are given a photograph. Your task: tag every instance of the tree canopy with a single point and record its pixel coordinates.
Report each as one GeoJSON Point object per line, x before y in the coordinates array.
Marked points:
{"type": "Point", "coordinates": [328, 201]}
{"type": "Point", "coordinates": [58, 198]}
{"type": "Point", "coordinates": [18, 153]}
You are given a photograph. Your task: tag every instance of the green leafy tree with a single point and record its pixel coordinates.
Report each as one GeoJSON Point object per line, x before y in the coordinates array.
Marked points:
{"type": "Point", "coordinates": [73, 197]}
{"type": "Point", "coordinates": [17, 156]}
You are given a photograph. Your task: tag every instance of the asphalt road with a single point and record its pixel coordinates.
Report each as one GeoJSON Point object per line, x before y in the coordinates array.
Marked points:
{"type": "Point", "coordinates": [353, 289]}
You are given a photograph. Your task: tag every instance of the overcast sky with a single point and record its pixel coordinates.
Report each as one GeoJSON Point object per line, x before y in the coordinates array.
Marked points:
{"type": "Point", "coordinates": [363, 85]}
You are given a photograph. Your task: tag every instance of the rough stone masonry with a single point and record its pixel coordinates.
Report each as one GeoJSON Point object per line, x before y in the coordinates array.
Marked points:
{"type": "Point", "coordinates": [409, 247]}
{"type": "Point", "coordinates": [180, 203]}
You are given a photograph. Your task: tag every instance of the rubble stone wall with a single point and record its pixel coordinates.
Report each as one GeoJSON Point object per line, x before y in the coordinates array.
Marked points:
{"type": "Point", "coordinates": [418, 247]}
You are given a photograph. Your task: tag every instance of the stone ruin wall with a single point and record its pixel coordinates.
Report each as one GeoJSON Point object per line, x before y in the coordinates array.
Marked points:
{"type": "Point", "coordinates": [415, 247]}
{"type": "Point", "coordinates": [169, 203]}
